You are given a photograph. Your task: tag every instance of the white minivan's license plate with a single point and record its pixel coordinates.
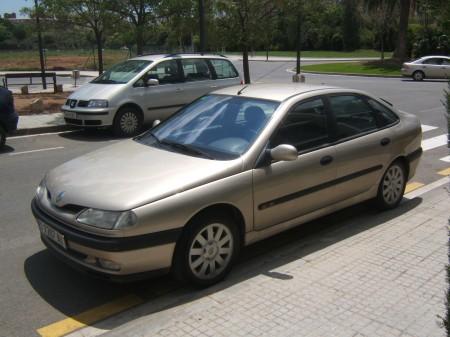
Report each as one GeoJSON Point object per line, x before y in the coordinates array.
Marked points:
{"type": "Point", "coordinates": [69, 114]}
{"type": "Point", "coordinates": [52, 234]}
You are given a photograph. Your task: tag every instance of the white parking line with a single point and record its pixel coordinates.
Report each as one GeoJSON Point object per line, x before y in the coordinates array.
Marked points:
{"type": "Point", "coordinates": [427, 188]}
{"type": "Point", "coordinates": [39, 150]}
{"type": "Point", "coordinates": [434, 142]}
{"type": "Point", "coordinates": [446, 159]}
{"type": "Point", "coordinates": [42, 134]}
{"type": "Point", "coordinates": [426, 128]}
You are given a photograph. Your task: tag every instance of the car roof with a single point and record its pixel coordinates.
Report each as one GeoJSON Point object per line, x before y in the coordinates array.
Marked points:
{"type": "Point", "coordinates": [157, 57]}
{"type": "Point", "coordinates": [433, 56]}
{"type": "Point", "coordinates": [273, 91]}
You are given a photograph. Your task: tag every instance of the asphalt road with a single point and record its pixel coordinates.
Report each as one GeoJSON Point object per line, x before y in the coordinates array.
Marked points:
{"type": "Point", "coordinates": [37, 290]}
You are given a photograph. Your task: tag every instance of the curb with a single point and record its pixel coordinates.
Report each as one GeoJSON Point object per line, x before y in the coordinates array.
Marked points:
{"type": "Point", "coordinates": [43, 129]}
{"type": "Point", "coordinates": [351, 74]}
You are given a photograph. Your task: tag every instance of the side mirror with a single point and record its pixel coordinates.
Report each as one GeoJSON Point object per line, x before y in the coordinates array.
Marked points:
{"type": "Point", "coordinates": [150, 82]}
{"type": "Point", "coordinates": [155, 122]}
{"type": "Point", "coordinates": [284, 152]}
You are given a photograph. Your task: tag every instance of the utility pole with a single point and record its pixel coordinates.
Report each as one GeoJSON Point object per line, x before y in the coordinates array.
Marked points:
{"type": "Point", "coordinates": [201, 10]}
{"type": "Point", "coordinates": [41, 51]}
{"type": "Point", "coordinates": [298, 44]}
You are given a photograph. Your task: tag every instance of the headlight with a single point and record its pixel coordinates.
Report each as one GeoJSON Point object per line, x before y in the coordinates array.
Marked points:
{"type": "Point", "coordinates": [107, 219]}
{"type": "Point", "coordinates": [40, 191]}
{"type": "Point", "coordinates": [98, 103]}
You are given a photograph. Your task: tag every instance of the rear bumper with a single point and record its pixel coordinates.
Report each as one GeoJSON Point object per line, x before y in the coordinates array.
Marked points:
{"type": "Point", "coordinates": [131, 255]}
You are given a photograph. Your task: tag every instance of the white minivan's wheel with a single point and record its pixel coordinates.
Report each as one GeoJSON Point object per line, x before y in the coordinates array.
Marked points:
{"type": "Point", "coordinates": [392, 186]}
{"type": "Point", "coordinates": [2, 137]}
{"type": "Point", "coordinates": [418, 75]}
{"type": "Point", "coordinates": [128, 122]}
{"type": "Point", "coordinates": [207, 250]}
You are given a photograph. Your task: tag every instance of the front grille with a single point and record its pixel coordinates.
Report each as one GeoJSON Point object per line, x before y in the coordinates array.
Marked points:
{"type": "Point", "coordinates": [83, 104]}
{"type": "Point", "coordinates": [71, 208]}
{"type": "Point", "coordinates": [73, 121]}
{"type": "Point", "coordinates": [92, 122]}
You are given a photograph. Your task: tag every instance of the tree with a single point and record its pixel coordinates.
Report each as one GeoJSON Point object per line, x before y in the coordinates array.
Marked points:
{"type": "Point", "coordinates": [91, 13]}
{"type": "Point", "coordinates": [400, 51]}
{"type": "Point", "coordinates": [139, 13]}
{"type": "Point", "coordinates": [350, 25]}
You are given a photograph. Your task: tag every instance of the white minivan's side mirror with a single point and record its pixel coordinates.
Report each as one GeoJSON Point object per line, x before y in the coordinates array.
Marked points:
{"type": "Point", "coordinates": [155, 122]}
{"type": "Point", "coordinates": [284, 152]}
{"type": "Point", "coordinates": [152, 82]}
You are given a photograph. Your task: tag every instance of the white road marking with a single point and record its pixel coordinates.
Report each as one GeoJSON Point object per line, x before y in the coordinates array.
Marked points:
{"type": "Point", "coordinates": [427, 188]}
{"type": "Point", "coordinates": [434, 142]}
{"type": "Point", "coordinates": [446, 159]}
{"type": "Point", "coordinates": [39, 150]}
{"type": "Point", "coordinates": [426, 128]}
{"type": "Point", "coordinates": [42, 134]}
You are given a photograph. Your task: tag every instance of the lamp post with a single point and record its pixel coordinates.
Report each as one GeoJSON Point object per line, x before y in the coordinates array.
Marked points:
{"type": "Point", "coordinates": [41, 51]}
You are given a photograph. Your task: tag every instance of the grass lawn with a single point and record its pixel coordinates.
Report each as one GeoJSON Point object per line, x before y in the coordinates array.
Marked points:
{"type": "Point", "coordinates": [26, 60]}
{"type": "Point", "coordinates": [389, 68]}
{"type": "Point", "coordinates": [323, 53]}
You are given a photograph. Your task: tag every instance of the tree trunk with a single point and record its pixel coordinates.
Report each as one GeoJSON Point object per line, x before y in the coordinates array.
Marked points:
{"type": "Point", "coordinates": [98, 38]}
{"type": "Point", "coordinates": [400, 52]}
{"type": "Point", "coordinates": [382, 48]}
{"type": "Point", "coordinates": [139, 40]}
{"type": "Point", "coordinates": [245, 64]}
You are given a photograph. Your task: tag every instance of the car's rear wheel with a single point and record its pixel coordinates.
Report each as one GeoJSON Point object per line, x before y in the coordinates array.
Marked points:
{"type": "Point", "coordinates": [418, 75]}
{"type": "Point", "coordinates": [128, 122]}
{"type": "Point", "coordinates": [2, 137]}
{"type": "Point", "coordinates": [207, 250]}
{"type": "Point", "coordinates": [392, 186]}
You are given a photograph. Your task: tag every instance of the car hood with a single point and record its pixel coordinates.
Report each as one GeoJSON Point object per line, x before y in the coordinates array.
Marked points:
{"type": "Point", "coordinates": [129, 174]}
{"type": "Point", "coordinates": [96, 91]}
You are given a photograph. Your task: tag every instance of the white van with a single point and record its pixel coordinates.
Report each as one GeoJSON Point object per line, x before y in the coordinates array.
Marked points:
{"type": "Point", "coordinates": [146, 88]}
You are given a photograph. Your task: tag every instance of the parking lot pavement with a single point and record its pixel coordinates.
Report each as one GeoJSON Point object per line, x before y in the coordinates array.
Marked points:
{"type": "Point", "coordinates": [379, 274]}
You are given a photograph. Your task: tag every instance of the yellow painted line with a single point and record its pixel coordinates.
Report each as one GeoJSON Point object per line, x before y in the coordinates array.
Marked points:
{"type": "Point", "coordinates": [412, 186]}
{"type": "Point", "coordinates": [90, 316]}
{"type": "Point", "coordinates": [445, 172]}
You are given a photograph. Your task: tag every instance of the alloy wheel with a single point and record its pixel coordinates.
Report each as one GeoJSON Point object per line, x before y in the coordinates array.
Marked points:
{"type": "Point", "coordinates": [393, 184]}
{"type": "Point", "coordinates": [129, 123]}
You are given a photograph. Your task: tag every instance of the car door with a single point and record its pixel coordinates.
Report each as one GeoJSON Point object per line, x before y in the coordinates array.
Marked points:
{"type": "Point", "coordinates": [160, 101]}
{"type": "Point", "coordinates": [285, 190]}
{"type": "Point", "coordinates": [432, 68]}
{"type": "Point", "coordinates": [363, 145]}
{"type": "Point", "coordinates": [445, 66]}
{"type": "Point", "coordinates": [198, 78]}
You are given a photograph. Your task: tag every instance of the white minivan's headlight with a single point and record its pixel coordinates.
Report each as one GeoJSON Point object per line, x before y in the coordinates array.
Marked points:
{"type": "Point", "coordinates": [98, 103]}
{"type": "Point", "coordinates": [107, 219]}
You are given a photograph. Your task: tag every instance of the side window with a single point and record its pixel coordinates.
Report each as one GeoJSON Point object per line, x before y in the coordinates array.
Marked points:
{"type": "Point", "coordinates": [305, 126]}
{"type": "Point", "coordinates": [384, 115]}
{"type": "Point", "coordinates": [224, 69]}
{"type": "Point", "coordinates": [353, 116]}
{"type": "Point", "coordinates": [434, 61]}
{"type": "Point", "coordinates": [445, 62]}
{"type": "Point", "coordinates": [195, 70]}
{"type": "Point", "coordinates": [165, 72]}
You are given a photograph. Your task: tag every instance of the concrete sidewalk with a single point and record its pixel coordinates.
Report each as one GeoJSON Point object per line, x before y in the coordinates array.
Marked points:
{"type": "Point", "coordinates": [366, 274]}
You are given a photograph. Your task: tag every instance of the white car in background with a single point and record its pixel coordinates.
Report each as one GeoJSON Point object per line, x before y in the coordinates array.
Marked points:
{"type": "Point", "coordinates": [147, 88]}
{"type": "Point", "coordinates": [427, 67]}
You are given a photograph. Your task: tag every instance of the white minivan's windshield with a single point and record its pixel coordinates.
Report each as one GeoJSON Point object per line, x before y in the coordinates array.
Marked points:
{"type": "Point", "coordinates": [122, 72]}
{"type": "Point", "coordinates": [214, 126]}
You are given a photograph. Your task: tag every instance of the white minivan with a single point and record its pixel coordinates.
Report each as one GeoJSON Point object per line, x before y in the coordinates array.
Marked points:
{"type": "Point", "coordinates": [146, 88]}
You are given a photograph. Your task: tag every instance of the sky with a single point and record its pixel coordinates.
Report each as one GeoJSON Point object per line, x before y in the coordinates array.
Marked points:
{"type": "Point", "coordinates": [8, 6]}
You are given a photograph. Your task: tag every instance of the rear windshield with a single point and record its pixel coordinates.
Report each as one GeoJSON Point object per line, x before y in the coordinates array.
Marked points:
{"type": "Point", "coordinates": [122, 72]}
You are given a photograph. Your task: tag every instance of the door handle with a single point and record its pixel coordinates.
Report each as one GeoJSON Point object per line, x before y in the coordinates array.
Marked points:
{"type": "Point", "coordinates": [326, 160]}
{"type": "Point", "coordinates": [385, 141]}
{"type": "Point", "coordinates": [178, 89]}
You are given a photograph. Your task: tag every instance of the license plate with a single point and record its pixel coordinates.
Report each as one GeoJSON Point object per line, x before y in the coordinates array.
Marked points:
{"type": "Point", "coordinates": [69, 114]}
{"type": "Point", "coordinates": [52, 234]}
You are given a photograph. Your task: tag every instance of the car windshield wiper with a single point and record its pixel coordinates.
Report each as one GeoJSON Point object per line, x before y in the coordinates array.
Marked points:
{"type": "Point", "coordinates": [185, 148]}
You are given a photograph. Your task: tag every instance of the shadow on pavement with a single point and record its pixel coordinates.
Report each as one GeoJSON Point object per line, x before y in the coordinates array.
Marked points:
{"type": "Point", "coordinates": [89, 135]}
{"type": "Point", "coordinates": [424, 80]}
{"type": "Point", "coordinates": [71, 292]}
{"type": "Point", "coordinates": [6, 149]}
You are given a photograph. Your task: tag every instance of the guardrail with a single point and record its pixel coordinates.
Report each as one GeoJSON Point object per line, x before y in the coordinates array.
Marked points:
{"type": "Point", "coordinates": [30, 76]}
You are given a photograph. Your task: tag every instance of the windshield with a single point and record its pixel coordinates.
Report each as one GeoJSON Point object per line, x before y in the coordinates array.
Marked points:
{"type": "Point", "coordinates": [122, 72]}
{"type": "Point", "coordinates": [214, 126]}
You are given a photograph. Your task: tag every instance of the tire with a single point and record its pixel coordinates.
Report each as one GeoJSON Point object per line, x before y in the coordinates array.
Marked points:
{"type": "Point", "coordinates": [392, 186]}
{"type": "Point", "coordinates": [207, 250]}
{"type": "Point", "coordinates": [2, 137]}
{"type": "Point", "coordinates": [128, 122]}
{"type": "Point", "coordinates": [418, 75]}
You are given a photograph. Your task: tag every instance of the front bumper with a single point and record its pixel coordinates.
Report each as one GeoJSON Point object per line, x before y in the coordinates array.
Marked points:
{"type": "Point", "coordinates": [136, 255]}
{"type": "Point", "coordinates": [87, 117]}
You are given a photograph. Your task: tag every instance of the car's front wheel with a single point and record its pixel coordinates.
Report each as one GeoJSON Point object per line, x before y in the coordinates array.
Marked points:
{"type": "Point", "coordinates": [128, 122]}
{"type": "Point", "coordinates": [418, 75]}
{"type": "Point", "coordinates": [2, 137]}
{"type": "Point", "coordinates": [207, 250]}
{"type": "Point", "coordinates": [392, 186]}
